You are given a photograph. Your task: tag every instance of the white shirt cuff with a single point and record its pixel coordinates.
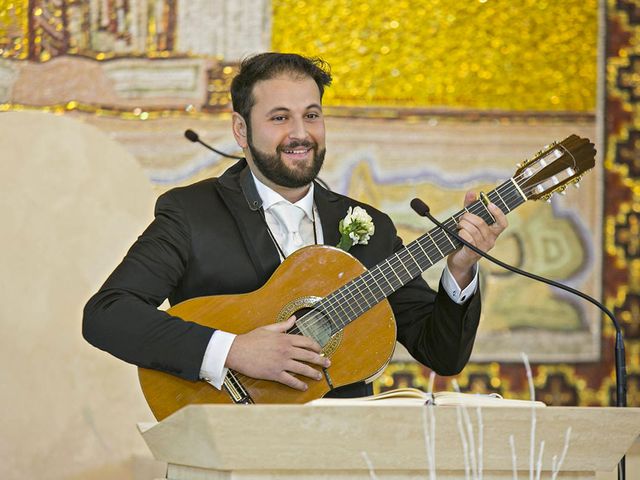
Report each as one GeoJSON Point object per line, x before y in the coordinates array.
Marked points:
{"type": "Point", "coordinates": [454, 291]}
{"type": "Point", "coordinates": [212, 369]}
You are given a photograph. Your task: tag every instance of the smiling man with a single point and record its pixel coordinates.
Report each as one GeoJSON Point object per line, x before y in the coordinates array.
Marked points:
{"type": "Point", "coordinates": [228, 235]}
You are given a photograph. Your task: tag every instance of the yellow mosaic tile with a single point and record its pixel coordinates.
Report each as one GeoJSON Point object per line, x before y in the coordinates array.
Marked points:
{"type": "Point", "coordinates": [487, 54]}
{"type": "Point", "coordinates": [14, 24]}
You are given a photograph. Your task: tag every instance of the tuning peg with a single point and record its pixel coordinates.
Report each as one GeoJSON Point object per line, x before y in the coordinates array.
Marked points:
{"type": "Point", "coordinates": [577, 184]}
{"type": "Point", "coordinates": [562, 192]}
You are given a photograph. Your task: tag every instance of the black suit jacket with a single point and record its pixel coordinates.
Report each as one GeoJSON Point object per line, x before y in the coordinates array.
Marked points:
{"type": "Point", "coordinates": [210, 238]}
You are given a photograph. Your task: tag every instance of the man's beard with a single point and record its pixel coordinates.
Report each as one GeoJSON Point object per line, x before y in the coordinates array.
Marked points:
{"type": "Point", "coordinates": [274, 169]}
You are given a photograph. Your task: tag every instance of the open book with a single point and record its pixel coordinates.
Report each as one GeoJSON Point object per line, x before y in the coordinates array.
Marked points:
{"type": "Point", "coordinates": [413, 396]}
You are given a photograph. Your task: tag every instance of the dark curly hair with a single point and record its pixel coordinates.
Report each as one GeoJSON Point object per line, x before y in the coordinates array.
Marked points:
{"type": "Point", "coordinates": [265, 66]}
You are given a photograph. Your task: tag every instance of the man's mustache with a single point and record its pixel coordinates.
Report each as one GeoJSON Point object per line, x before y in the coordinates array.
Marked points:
{"type": "Point", "coordinates": [295, 144]}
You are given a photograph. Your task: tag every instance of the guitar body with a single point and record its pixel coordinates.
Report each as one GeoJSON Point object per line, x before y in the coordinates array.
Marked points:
{"type": "Point", "coordinates": [358, 352]}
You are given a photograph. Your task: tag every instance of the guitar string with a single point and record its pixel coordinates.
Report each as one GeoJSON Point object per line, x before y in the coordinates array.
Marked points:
{"type": "Point", "coordinates": [512, 193]}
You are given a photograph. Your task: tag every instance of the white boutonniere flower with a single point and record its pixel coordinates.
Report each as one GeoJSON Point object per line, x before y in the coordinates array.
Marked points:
{"type": "Point", "coordinates": [355, 229]}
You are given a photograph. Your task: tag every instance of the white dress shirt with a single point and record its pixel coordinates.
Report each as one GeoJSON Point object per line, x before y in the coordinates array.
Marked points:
{"type": "Point", "coordinates": [215, 356]}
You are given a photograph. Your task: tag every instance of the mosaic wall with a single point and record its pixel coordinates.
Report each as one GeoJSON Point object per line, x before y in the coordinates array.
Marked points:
{"type": "Point", "coordinates": [471, 54]}
{"type": "Point", "coordinates": [415, 79]}
{"type": "Point", "coordinates": [621, 225]}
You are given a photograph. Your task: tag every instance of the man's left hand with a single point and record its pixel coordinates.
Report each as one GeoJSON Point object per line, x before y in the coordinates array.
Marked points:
{"type": "Point", "coordinates": [474, 230]}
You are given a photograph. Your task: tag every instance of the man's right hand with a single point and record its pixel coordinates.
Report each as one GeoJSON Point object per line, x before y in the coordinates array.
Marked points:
{"type": "Point", "coordinates": [269, 353]}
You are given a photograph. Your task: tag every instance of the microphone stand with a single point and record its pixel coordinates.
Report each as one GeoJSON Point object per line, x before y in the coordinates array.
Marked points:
{"type": "Point", "coordinates": [422, 209]}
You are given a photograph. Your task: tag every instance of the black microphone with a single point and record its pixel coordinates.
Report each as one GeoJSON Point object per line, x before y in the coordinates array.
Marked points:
{"type": "Point", "coordinates": [422, 209]}
{"type": "Point", "coordinates": [193, 136]}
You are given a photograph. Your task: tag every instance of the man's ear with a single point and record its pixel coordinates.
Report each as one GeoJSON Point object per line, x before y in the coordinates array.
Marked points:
{"type": "Point", "coordinates": [239, 127]}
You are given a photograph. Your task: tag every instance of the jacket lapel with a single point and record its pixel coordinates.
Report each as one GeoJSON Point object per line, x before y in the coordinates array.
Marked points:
{"type": "Point", "coordinates": [238, 191]}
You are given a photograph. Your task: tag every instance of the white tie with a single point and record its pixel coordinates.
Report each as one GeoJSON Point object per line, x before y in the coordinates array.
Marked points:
{"type": "Point", "coordinates": [289, 216]}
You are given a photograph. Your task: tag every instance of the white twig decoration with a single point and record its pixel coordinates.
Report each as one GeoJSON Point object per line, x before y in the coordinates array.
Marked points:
{"type": "Point", "coordinates": [465, 446]}
{"type": "Point", "coordinates": [470, 437]}
{"type": "Point", "coordinates": [432, 379]}
{"type": "Point", "coordinates": [431, 448]}
{"type": "Point", "coordinates": [556, 468]}
{"type": "Point", "coordinates": [480, 441]}
{"type": "Point", "coordinates": [539, 464]}
{"type": "Point", "coordinates": [514, 459]}
{"type": "Point", "coordinates": [372, 473]}
{"type": "Point", "coordinates": [532, 395]}
{"type": "Point", "coordinates": [429, 432]}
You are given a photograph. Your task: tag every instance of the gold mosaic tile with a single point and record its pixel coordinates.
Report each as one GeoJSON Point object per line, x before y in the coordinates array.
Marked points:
{"type": "Point", "coordinates": [13, 28]}
{"type": "Point", "coordinates": [498, 54]}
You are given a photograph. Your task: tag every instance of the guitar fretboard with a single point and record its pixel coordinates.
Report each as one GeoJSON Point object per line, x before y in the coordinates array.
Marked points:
{"type": "Point", "coordinates": [362, 293]}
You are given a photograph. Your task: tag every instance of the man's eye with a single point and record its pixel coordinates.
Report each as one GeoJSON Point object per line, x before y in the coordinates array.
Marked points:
{"type": "Point", "coordinates": [313, 115]}
{"type": "Point", "coordinates": [279, 118]}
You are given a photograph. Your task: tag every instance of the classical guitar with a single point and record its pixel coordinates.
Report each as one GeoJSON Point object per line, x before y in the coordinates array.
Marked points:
{"type": "Point", "coordinates": [341, 304]}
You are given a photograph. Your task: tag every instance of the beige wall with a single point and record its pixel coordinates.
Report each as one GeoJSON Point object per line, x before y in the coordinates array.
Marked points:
{"type": "Point", "coordinates": [72, 201]}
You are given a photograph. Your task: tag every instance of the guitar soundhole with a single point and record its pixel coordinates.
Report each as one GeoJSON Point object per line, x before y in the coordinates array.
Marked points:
{"type": "Point", "coordinates": [316, 325]}
{"type": "Point", "coordinates": [312, 323]}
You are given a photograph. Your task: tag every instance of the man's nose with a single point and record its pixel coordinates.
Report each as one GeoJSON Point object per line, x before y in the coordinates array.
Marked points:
{"type": "Point", "coordinates": [298, 130]}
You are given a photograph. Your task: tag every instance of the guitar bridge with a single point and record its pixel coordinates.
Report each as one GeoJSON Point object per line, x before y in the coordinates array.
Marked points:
{"type": "Point", "coordinates": [236, 391]}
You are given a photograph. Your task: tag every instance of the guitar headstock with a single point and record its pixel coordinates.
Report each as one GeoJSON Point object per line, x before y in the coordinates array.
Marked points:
{"type": "Point", "coordinates": [555, 168]}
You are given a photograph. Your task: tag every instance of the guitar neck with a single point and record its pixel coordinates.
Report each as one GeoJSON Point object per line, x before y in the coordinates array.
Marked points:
{"type": "Point", "coordinates": [364, 292]}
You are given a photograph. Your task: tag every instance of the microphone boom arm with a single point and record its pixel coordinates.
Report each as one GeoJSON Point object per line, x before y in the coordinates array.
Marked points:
{"type": "Point", "coordinates": [621, 374]}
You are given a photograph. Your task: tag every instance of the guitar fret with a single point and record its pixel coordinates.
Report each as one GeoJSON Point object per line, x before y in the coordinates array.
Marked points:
{"type": "Point", "coordinates": [441, 254]}
{"type": "Point", "coordinates": [403, 264]}
{"type": "Point", "coordinates": [339, 309]}
{"type": "Point", "coordinates": [425, 253]}
{"type": "Point", "coordinates": [452, 225]}
{"type": "Point", "coordinates": [385, 277]}
{"type": "Point", "coordinates": [380, 295]}
{"type": "Point", "coordinates": [346, 302]}
{"type": "Point", "coordinates": [489, 219]}
{"type": "Point", "coordinates": [511, 196]}
{"type": "Point", "coordinates": [347, 298]}
{"type": "Point", "coordinates": [503, 202]}
{"type": "Point", "coordinates": [394, 271]}
{"type": "Point", "coordinates": [413, 269]}
{"type": "Point", "coordinates": [355, 284]}
{"type": "Point", "coordinates": [515, 184]}
{"type": "Point", "coordinates": [449, 238]}
{"type": "Point", "coordinates": [413, 258]}
{"type": "Point", "coordinates": [373, 277]}
{"type": "Point", "coordinates": [365, 304]}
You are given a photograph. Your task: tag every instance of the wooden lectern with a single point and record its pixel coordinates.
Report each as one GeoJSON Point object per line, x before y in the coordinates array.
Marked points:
{"type": "Point", "coordinates": [229, 442]}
